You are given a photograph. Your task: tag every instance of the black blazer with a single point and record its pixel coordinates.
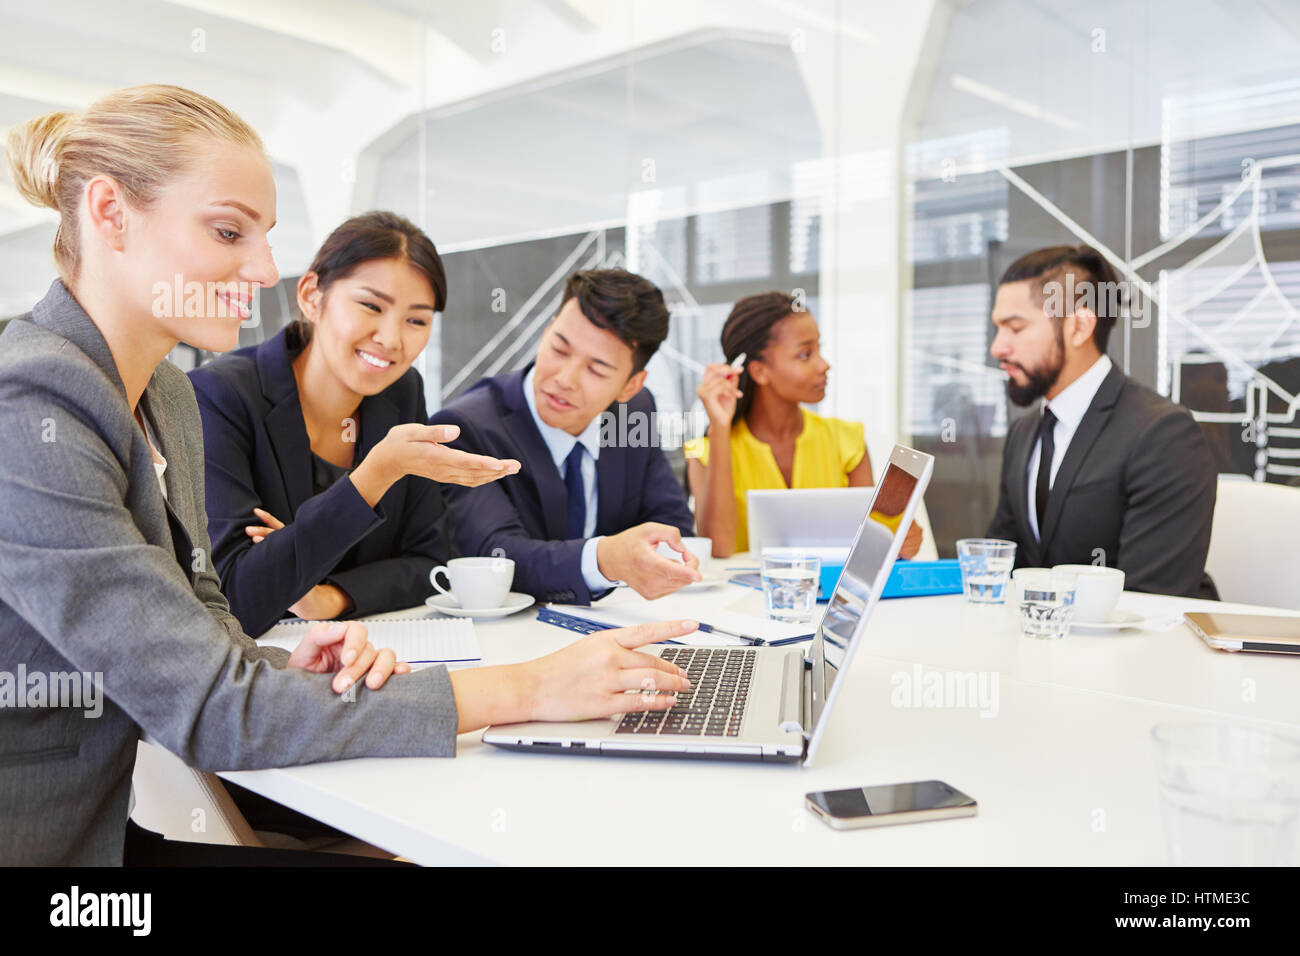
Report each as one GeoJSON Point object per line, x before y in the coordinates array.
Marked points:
{"type": "Point", "coordinates": [524, 514]}
{"type": "Point", "coordinates": [257, 455]}
{"type": "Point", "coordinates": [1136, 489]}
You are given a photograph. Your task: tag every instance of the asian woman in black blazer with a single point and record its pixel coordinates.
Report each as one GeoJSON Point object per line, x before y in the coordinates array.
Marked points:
{"type": "Point", "coordinates": [322, 476]}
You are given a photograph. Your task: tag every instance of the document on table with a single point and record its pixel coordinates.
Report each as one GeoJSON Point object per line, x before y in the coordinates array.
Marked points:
{"type": "Point", "coordinates": [743, 614]}
{"type": "Point", "coordinates": [421, 642]}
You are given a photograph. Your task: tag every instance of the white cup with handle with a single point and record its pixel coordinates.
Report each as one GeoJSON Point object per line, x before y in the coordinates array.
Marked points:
{"type": "Point", "coordinates": [1096, 591]}
{"type": "Point", "coordinates": [477, 584]}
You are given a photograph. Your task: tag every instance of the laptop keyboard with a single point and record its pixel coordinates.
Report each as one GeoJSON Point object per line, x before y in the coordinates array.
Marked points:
{"type": "Point", "coordinates": [715, 704]}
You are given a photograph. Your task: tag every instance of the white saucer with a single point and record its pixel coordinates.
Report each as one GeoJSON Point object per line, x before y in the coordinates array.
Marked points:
{"type": "Point", "coordinates": [447, 604]}
{"type": "Point", "coordinates": [711, 580]}
{"type": "Point", "coordinates": [1117, 621]}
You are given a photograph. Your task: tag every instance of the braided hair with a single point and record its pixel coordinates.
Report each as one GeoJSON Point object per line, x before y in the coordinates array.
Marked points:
{"type": "Point", "coordinates": [748, 329]}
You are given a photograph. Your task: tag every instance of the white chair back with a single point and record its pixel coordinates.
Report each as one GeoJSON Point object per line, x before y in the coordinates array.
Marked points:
{"type": "Point", "coordinates": [185, 804]}
{"type": "Point", "coordinates": [1255, 543]}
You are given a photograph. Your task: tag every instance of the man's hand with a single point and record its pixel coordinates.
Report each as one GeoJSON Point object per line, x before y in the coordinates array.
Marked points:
{"type": "Point", "coordinates": [345, 648]}
{"type": "Point", "coordinates": [630, 556]}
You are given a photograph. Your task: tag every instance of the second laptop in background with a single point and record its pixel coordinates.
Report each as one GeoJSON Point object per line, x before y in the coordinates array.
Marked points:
{"type": "Point", "coordinates": [823, 521]}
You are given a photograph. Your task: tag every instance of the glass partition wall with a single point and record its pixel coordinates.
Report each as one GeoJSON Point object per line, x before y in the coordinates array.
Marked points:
{"type": "Point", "coordinates": [882, 161]}
{"type": "Point", "coordinates": [1165, 133]}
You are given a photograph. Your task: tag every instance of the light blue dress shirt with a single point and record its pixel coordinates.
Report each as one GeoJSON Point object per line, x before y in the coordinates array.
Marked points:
{"type": "Point", "coordinates": [560, 443]}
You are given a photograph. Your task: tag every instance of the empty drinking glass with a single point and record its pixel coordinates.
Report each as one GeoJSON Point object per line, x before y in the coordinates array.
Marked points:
{"type": "Point", "coordinates": [1046, 603]}
{"type": "Point", "coordinates": [790, 581]}
{"type": "Point", "coordinates": [985, 568]}
{"type": "Point", "coordinates": [1229, 794]}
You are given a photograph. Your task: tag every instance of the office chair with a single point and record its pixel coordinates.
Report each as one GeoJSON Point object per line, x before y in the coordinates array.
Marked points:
{"type": "Point", "coordinates": [1253, 542]}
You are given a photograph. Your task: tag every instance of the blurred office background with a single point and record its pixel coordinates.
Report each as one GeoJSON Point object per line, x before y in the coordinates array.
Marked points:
{"type": "Point", "coordinates": [885, 159]}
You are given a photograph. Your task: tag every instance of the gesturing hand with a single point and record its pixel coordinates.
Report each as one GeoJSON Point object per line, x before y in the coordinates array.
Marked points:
{"type": "Point", "coordinates": [631, 556]}
{"type": "Point", "coordinates": [415, 449]}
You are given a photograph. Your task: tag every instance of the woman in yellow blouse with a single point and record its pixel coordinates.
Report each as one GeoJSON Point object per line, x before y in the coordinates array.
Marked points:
{"type": "Point", "coordinates": [774, 442]}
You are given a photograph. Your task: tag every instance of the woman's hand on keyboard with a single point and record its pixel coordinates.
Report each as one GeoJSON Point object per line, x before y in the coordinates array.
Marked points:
{"type": "Point", "coordinates": [598, 676]}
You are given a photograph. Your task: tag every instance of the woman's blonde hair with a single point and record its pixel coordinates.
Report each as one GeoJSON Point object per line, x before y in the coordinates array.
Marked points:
{"type": "Point", "coordinates": [142, 137]}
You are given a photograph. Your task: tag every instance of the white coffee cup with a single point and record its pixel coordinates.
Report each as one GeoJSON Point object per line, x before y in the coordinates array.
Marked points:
{"type": "Point", "coordinates": [702, 548]}
{"type": "Point", "coordinates": [476, 583]}
{"type": "Point", "coordinates": [1096, 593]}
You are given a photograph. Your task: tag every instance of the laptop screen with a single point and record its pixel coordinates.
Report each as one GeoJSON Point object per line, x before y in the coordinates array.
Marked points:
{"type": "Point", "coordinates": [862, 576]}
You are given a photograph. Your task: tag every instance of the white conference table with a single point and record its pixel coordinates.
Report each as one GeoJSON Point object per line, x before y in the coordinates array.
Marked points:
{"type": "Point", "coordinates": [1062, 767]}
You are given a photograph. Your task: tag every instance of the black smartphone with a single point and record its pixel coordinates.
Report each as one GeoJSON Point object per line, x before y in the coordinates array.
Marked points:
{"type": "Point", "coordinates": [893, 803]}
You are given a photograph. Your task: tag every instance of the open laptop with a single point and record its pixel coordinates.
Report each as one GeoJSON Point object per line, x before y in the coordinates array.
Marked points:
{"type": "Point", "coordinates": [1258, 633]}
{"type": "Point", "coordinates": [758, 703]}
{"type": "Point", "coordinates": [821, 520]}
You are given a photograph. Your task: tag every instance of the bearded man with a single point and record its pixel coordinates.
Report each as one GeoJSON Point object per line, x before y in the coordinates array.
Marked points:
{"type": "Point", "coordinates": [1106, 471]}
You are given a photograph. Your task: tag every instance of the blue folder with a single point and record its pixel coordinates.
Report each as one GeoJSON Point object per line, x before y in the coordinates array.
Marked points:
{"type": "Point", "coordinates": [907, 579]}
{"type": "Point", "coordinates": [921, 579]}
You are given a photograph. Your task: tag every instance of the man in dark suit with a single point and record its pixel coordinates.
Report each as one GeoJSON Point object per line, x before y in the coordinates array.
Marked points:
{"type": "Point", "coordinates": [1107, 471]}
{"type": "Point", "coordinates": [595, 495]}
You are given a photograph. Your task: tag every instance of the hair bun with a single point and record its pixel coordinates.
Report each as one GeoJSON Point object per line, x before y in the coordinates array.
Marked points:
{"type": "Point", "coordinates": [33, 151]}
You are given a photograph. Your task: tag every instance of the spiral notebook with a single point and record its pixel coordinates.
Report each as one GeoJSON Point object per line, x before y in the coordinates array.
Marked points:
{"type": "Point", "coordinates": [419, 641]}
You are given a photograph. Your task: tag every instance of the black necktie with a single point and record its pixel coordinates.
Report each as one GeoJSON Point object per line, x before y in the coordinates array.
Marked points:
{"type": "Point", "coordinates": [1047, 448]}
{"type": "Point", "coordinates": [577, 512]}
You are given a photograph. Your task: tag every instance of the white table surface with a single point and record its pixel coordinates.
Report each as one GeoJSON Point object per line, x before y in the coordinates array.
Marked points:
{"type": "Point", "coordinates": [1063, 772]}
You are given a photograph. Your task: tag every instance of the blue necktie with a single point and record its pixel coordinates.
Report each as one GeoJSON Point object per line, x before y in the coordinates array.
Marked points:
{"type": "Point", "coordinates": [577, 512]}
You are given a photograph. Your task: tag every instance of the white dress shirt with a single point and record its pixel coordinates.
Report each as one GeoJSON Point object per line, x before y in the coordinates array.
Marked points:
{"type": "Point", "coordinates": [560, 443]}
{"type": "Point", "coordinates": [1069, 408]}
{"type": "Point", "coordinates": [159, 462]}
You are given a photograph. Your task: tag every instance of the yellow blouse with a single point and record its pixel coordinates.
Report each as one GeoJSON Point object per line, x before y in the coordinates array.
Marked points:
{"type": "Point", "coordinates": [824, 453]}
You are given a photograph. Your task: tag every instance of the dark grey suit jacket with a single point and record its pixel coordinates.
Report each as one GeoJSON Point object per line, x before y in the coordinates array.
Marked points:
{"type": "Point", "coordinates": [1136, 488]}
{"type": "Point", "coordinates": [99, 574]}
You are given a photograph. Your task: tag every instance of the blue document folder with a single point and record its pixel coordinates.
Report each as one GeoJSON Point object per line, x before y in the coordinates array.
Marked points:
{"type": "Point", "coordinates": [907, 579]}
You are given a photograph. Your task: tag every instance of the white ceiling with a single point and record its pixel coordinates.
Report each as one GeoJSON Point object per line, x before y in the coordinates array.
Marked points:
{"type": "Point", "coordinates": [685, 119]}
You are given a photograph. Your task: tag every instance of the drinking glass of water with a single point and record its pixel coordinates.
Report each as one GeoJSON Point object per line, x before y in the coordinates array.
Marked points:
{"type": "Point", "coordinates": [985, 568]}
{"type": "Point", "coordinates": [790, 581]}
{"type": "Point", "coordinates": [1229, 794]}
{"type": "Point", "coordinates": [1046, 603]}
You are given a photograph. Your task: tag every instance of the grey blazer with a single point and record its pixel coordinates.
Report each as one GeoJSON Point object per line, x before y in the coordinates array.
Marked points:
{"type": "Point", "coordinates": [100, 575]}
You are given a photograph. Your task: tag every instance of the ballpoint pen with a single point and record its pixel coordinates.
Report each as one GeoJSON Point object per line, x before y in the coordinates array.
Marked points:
{"type": "Point", "coordinates": [710, 629]}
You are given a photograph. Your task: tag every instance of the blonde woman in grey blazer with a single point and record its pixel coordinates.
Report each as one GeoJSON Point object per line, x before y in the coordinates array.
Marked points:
{"type": "Point", "coordinates": [106, 586]}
